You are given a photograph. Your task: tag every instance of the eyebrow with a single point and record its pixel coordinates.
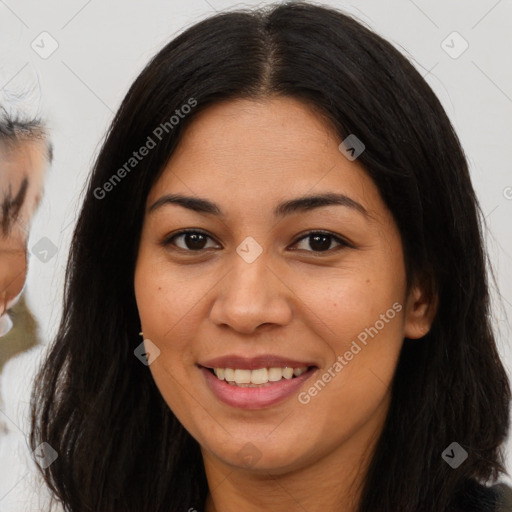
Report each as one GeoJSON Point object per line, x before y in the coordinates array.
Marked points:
{"type": "Point", "coordinates": [299, 204]}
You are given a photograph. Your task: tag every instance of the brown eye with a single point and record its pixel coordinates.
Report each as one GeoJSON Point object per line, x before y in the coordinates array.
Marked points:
{"type": "Point", "coordinates": [189, 240]}
{"type": "Point", "coordinates": [321, 242]}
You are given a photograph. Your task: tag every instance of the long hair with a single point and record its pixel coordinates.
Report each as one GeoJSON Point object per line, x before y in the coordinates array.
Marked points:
{"type": "Point", "coordinates": [119, 445]}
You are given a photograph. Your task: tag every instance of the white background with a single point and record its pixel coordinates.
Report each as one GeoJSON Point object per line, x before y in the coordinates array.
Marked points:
{"type": "Point", "coordinates": [102, 46]}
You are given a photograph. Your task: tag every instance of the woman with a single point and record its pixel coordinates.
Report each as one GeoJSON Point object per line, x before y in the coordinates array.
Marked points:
{"type": "Point", "coordinates": [283, 211]}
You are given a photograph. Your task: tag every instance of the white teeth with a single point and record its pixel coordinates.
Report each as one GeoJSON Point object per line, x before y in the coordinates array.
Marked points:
{"type": "Point", "coordinates": [287, 373]}
{"type": "Point", "coordinates": [249, 378]}
{"type": "Point", "coordinates": [275, 374]}
{"type": "Point", "coordinates": [229, 374]}
{"type": "Point", "coordinates": [243, 376]}
{"type": "Point", "coordinates": [259, 376]}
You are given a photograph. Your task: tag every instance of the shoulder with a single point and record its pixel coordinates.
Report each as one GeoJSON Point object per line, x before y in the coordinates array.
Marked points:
{"type": "Point", "coordinates": [475, 497]}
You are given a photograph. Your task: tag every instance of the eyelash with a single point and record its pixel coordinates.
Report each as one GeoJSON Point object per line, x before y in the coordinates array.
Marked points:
{"type": "Point", "coordinates": [342, 243]}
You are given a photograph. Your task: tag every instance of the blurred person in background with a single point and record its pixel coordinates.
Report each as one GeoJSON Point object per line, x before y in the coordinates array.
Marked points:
{"type": "Point", "coordinates": [25, 155]}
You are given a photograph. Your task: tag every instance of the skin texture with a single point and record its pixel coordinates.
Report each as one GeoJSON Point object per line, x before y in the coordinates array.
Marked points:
{"type": "Point", "coordinates": [293, 301]}
{"type": "Point", "coordinates": [19, 161]}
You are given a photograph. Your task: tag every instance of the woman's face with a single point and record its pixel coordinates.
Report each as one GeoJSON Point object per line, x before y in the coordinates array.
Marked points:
{"type": "Point", "coordinates": [269, 280]}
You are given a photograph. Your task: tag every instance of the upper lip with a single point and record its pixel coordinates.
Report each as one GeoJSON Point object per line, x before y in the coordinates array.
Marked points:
{"type": "Point", "coordinates": [253, 363]}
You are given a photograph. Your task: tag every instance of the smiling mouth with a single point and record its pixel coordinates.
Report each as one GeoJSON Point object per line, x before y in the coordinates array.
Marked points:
{"type": "Point", "coordinates": [260, 377]}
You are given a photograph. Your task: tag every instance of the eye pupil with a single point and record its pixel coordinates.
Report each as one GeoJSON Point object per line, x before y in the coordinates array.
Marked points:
{"type": "Point", "coordinates": [320, 242]}
{"type": "Point", "coordinates": [195, 240]}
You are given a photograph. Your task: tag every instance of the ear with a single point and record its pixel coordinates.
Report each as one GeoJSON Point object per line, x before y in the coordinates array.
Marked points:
{"type": "Point", "coordinates": [420, 310]}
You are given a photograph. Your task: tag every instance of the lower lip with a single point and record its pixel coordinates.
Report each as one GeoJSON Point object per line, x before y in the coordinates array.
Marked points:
{"type": "Point", "coordinates": [257, 397]}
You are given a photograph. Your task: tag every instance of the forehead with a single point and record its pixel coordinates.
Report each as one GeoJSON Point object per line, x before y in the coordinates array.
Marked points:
{"type": "Point", "coordinates": [247, 151]}
{"type": "Point", "coordinates": [277, 129]}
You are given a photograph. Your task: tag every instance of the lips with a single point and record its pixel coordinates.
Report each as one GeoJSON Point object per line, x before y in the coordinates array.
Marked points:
{"type": "Point", "coordinates": [254, 363]}
{"type": "Point", "coordinates": [250, 396]}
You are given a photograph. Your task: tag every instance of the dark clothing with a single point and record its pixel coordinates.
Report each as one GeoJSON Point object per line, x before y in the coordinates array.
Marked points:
{"type": "Point", "coordinates": [477, 498]}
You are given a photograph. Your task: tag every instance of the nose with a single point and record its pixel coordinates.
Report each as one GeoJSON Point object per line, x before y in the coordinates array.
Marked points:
{"type": "Point", "coordinates": [250, 296]}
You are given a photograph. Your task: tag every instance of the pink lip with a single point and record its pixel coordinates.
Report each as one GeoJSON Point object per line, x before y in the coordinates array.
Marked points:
{"type": "Point", "coordinates": [257, 397]}
{"type": "Point", "coordinates": [253, 363]}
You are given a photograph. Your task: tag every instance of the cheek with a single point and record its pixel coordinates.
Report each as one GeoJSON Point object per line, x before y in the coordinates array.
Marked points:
{"type": "Point", "coordinates": [347, 302]}
{"type": "Point", "coordinates": [166, 299]}
{"type": "Point", "coordinates": [354, 385]}
{"type": "Point", "coordinates": [171, 309]}
{"type": "Point", "coordinates": [166, 308]}
{"type": "Point", "coordinates": [359, 316]}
